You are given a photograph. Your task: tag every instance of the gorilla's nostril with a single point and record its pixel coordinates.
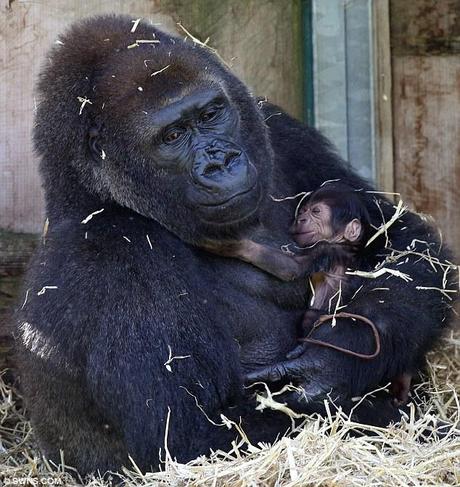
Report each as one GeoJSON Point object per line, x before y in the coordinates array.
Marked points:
{"type": "Point", "coordinates": [230, 156]}
{"type": "Point", "coordinates": [211, 169]}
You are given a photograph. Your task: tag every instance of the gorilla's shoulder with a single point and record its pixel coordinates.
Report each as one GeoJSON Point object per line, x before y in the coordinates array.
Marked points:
{"type": "Point", "coordinates": [285, 130]}
{"type": "Point", "coordinates": [278, 119]}
{"type": "Point", "coordinates": [106, 240]}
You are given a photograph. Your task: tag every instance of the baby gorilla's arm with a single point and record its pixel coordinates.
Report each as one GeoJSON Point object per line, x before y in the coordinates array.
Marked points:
{"type": "Point", "coordinates": [322, 257]}
{"type": "Point", "coordinates": [281, 265]}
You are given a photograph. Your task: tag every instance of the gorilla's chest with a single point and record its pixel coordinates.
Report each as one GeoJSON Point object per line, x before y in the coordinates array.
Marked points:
{"type": "Point", "coordinates": [226, 296]}
{"type": "Point", "coordinates": [261, 312]}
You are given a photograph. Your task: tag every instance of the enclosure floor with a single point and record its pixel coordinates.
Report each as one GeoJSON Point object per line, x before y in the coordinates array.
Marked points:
{"type": "Point", "coordinates": [322, 453]}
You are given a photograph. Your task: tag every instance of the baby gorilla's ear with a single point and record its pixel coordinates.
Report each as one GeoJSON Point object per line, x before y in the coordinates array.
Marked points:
{"type": "Point", "coordinates": [353, 230]}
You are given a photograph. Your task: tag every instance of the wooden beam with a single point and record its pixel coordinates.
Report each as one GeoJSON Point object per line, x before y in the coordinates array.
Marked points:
{"type": "Point", "coordinates": [426, 93]}
{"type": "Point", "coordinates": [383, 113]}
{"type": "Point", "coordinates": [425, 27]}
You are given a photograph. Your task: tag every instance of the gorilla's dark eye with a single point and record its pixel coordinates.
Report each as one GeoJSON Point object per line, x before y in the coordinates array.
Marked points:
{"type": "Point", "coordinates": [173, 135]}
{"type": "Point", "coordinates": [209, 114]}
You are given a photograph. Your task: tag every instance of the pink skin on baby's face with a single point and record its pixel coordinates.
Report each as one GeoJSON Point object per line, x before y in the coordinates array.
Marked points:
{"type": "Point", "coordinates": [313, 223]}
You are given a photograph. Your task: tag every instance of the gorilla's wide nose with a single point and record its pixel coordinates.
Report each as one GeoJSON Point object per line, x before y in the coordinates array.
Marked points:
{"type": "Point", "coordinates": [220, 168]}
{"type": "Point", "coordinates": [219, 160]}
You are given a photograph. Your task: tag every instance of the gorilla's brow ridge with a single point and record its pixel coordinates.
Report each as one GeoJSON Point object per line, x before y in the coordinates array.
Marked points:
{"type": "Point", "coordinates": [183, 107]}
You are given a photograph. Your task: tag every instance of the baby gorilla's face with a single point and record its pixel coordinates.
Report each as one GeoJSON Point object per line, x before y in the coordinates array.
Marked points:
{"type": "Point", "coordinates": [313, 223]}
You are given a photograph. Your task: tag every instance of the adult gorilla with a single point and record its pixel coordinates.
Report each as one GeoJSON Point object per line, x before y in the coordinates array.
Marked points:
{"type": "Point", "coordinates": [149, 148]}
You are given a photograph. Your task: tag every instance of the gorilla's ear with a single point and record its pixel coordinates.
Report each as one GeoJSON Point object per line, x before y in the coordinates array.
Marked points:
{"type": "Point", "coordinates": [93, 143]}
{"type": "Point", "coordinates": [352, 231]}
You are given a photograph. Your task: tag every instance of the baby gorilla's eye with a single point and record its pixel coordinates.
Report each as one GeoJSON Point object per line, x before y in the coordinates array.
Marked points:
{"type": "Point", "coordinates": [173, 135]}
{"type": "Point", "coordinates": [316, 210]}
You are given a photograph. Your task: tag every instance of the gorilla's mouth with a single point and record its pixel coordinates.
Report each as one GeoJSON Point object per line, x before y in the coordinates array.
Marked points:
{"type": "Point", "coordinates": [233, 209]}
{"type": "Point", "coordinates": [232, 197]}
{"type": "Point", "coordinates": [304, 238]}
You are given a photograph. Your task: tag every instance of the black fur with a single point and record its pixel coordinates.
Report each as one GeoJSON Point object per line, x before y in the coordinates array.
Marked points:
{"type": "Point", "coordinates": [92, 352]}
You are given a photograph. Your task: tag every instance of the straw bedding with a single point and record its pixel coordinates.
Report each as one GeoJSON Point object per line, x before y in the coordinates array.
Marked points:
{"type": "Point", "coordinates": [321, 453]}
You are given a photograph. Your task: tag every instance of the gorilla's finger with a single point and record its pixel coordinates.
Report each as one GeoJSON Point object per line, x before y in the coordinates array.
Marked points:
{"type": "Point", "coordinates": [297, 351]}
{"type": "Point", "coordinates": [272, 373]}
{"type": "Point", "coordinates": [290, 369]}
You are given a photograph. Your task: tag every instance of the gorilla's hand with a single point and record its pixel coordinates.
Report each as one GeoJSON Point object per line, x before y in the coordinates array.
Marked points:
{"type": "Point", "coordinates": [314, 380]}
{"type": "Point", "coordinates": [297, 351]}
{"type": "Point", "coordinates": [316, 383]}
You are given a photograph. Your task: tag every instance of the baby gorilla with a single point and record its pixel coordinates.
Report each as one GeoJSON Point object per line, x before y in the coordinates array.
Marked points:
{"type": "Point", "coordinates": [331, 229]}
{"type": "Point", "coordinates": [336, 221]}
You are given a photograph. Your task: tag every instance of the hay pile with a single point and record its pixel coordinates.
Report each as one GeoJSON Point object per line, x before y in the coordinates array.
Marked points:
{"type": "Point", "coordinates": [321, 454]}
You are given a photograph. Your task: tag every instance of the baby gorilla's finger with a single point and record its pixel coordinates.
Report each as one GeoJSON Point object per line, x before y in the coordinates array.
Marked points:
{"type": "Point", "coordinates": [297, 351]}
{"type": "Point", "coordinates": [273, 373]}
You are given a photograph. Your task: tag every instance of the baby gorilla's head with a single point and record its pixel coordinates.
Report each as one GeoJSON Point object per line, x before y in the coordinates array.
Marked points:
{"type": "Point", "coordinates": [334, 213]}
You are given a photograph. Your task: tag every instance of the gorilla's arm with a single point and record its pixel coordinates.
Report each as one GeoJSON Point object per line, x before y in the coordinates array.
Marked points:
{"type": "Point", "coordinates": [410, 315]}
{"type": "Point", "coordinates": [142, 394]}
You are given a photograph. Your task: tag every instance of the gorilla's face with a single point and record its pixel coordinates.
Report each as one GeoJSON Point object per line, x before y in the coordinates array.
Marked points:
{"type": "Point", "coordinates": [199, 138]}
{"type": "Point", "coordinates": [194, 160]}
{"type": "Point", "coordinates": [187, 166]}
{"type": "Point", "coordinates": [172, 134]}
